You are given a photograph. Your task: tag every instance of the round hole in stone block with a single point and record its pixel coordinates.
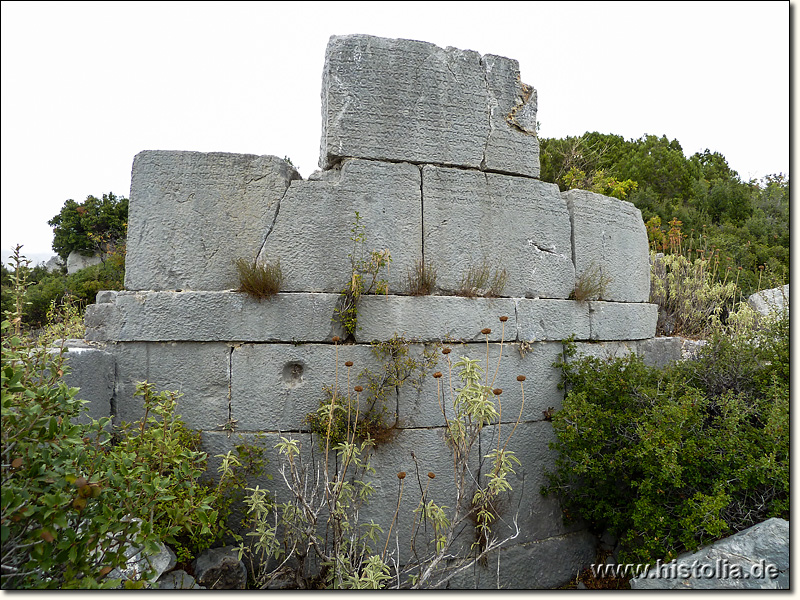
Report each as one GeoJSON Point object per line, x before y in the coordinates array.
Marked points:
{"type": "Point", "coordinates": [293, 374]}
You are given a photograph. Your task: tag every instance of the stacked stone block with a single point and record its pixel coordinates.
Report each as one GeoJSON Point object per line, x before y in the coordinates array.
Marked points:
{"type": "Point", "coordinates": [436, 150]}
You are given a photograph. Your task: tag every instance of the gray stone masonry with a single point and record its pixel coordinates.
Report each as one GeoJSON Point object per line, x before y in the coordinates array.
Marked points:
{"type": "Point", "coordinates": [436, 151]}
{"type": "Point", "coordinates": [193, 214]}
{"type": "Point", "coordinates": [308, 317]}
{"type": "Point", "coordinates": [92, 370]}
{"type": "Point", "coordinates": [609, 239]}
{"type": "Point", "coordinates": [404, 100]}
{"type": "Point", "coordinates": [313, 230]}
{"type": "Point", "coordinates": [199, 371]}
{"type": "Point", "coordinates": [522, 225]}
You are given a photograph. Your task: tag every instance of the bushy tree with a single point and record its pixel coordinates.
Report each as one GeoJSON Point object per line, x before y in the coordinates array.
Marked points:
{"type": "Point", "coordinates": [95, 225]}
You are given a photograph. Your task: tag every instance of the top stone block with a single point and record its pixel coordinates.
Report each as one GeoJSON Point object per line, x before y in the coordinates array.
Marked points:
{"type": "Point", "coordinates": [404, 100]}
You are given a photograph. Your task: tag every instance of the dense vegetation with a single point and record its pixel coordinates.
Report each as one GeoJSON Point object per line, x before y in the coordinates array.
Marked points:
{"type": "Point", "coordinates": [668, 459]}
{"type": "Point", "coordinates": [92, 227]}
{"type": "Point", "coordinates": [744, 224]}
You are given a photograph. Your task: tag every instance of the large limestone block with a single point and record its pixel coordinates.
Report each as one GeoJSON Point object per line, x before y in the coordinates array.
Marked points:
{"type": "Point", "coordinates": [609, 238]}
{"type": "Point", "coordinates": [313, 231]}
{"type": "Point", "coordinates": [274, 386]}
{"type": "Point", "coordinates": [91, 370]}
{"type": "Point", "coordinates": [622, 321]}
{"type": "Point", "coordinates": [200, 372]}
{"type": "Point", "coordinates": [423, 405]}
{"type": "Point", "coordinates": [541, 564]}
{"type": "Point", "coordinates": [756, 558]}
{"type": "Point", "coordinates": [404, 100]}
{"type": "Point", "coordinates": [193, 214]}
{"type": "Point", "coordinates": [433, 318]}
{"type": "Point", "coordinates": [212, 316]}
{"type": "Point", "coordinates": [550, 320]}
{"type": "Point", "coordinates": [519, 224]}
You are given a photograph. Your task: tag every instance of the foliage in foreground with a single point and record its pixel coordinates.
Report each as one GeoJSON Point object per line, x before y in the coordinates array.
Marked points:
{"type": "Point", "coordinates": [318, 536]}
{"type": "Point", "coordinates": [75, 492]}
{"type": "Point", "coordinates": [670, 459]}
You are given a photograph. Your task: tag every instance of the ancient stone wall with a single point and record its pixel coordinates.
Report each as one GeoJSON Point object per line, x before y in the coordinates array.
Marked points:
{"type": "Point", "coordinates": [436, 150]}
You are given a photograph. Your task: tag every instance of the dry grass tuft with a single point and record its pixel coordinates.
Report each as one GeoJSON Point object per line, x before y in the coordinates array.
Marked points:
{"type": "Point", "coordinates": [259, 280]}
{"type": "Point", "coordinates": [422, 279]}
{"type": "Point", "coordinates": [482, 280]}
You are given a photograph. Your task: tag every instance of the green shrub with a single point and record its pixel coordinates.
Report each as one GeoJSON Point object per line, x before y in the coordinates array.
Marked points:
{"type": "Point", "coordinates": [669, 459]}
{"type": "Point", "coordinates": [365, 269]}
{"type": "Point", "coordinates": [62, 526]}
{"type": "Point", "coordinates": [688, 294]}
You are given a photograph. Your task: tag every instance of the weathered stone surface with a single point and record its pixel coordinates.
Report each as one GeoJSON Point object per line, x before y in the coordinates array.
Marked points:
{"type": "Point", "coordinates": [549, 320]}
{"type": "Point", "coordinates": [312, 236]}
{"type": "Point", "coordinates": [774, 300]}
{"type": "Point", "coordinates": [193, 214]}
{"type": "Point", "coordinates": [660, 351]}
{"type": "Point", "coordinates": [418, 406]}
{"type": "Point", "coordinates": [212, 316]}
{"type": "Point", "coordinates": [756, 558]}
{"type": "Point", "coordinates": [512, 145]}
{"type": "Point", "coordinates": [93, 371]}
{"type": "Point", "coordinates": [404, 100]}
{"type": "Point", "coordinates": [220, 569]}
{"type": "Point", "coordinates": [274, 386]}
{"type": "Point", "coordinates": [178, 580]}
{"type": "Point", "coordinates": [541, 564]}
{"type": "Point", "coordinates": [622, 321]}
{"type": "Point", "coordinates": [432, 318]}
{"type": "Point", "coordinates": [519, 224]}
{"type": "Point", "coordinates": [603, 350]}
{"type": "Point", "coordinates": [200, 371]}
{"type": "Point", "coordinates": [538, 517]}
{"type": "Point", "coordinates": [609, 238]}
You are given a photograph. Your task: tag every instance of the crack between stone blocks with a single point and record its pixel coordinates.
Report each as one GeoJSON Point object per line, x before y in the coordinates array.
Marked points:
{"type": "Point", "coordinates": [274, 220]}
{"type": "Point", "coordinates": [230, 384]}
{"type": "Point", "coordinates": [422, 214]}
{"type": "Point", "coordinates": [488, 112]}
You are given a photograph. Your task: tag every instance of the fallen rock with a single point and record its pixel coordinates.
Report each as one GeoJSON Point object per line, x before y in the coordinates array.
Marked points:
{"type": "Point", "coordinates": [767, 302]}
{"type": "Point", "coordinates": [138, 564]}
{"type": "Point", "coordinates": [220, 569]}
{"type": "Point", "coordinates": [756, 558]}
{"type": "Point", "coordinates": [178, 580]}
{"type": "Point", "coordinates": [77, 261]}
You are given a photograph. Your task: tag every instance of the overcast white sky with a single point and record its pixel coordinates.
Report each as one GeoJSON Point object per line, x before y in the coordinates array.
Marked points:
{"type": "Point", "coordinates": [87, 85]}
